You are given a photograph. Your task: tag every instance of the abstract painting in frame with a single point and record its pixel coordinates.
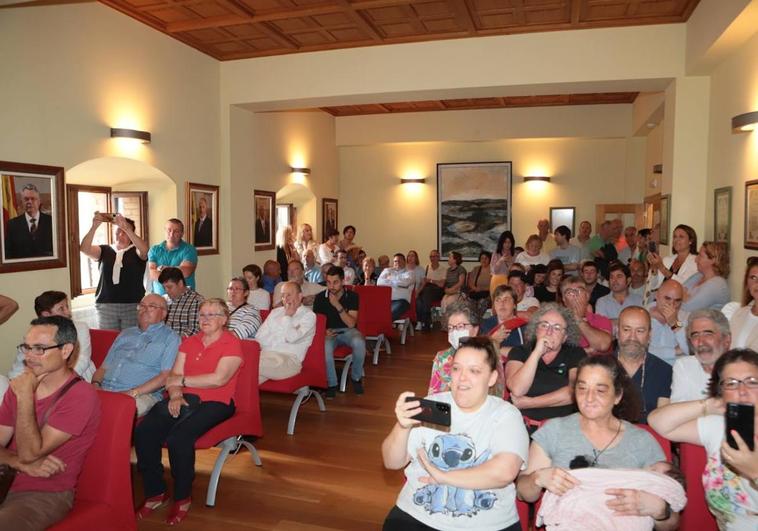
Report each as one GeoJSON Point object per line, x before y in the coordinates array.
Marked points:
{"type": "Point", "coordinates": [473, 206]}
{"type": "Point", "coordinates": [722, 214]}
{"type": "Point", "coordinates": [751, 215]}
{"type": "Point", "coordinates": [32, 232]}
{"type": "Point", "coordinates": [265, 228]}
{"type": "Point", "coordinates": [202, 217]}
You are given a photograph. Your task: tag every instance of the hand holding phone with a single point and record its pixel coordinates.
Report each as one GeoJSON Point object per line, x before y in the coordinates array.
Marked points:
{"type": "Point", "coordinates": [740, 418]}
{"type": "Point", "coordinates": [432, 411]}
{"type": "Point", "coordinates": [652, 247]}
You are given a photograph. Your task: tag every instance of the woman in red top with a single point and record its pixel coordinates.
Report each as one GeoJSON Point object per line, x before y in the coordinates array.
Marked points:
{"type": "Point", "coordinates": [200, 388]}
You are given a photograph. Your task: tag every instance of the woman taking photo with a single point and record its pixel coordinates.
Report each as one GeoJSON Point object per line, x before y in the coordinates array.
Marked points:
{"type": "Point", "coordinates": [680, 265]}
{"type": "Point", "coordinates": [244, 319]}
{"type": "Point", "coordinates": [257, 297]}
{"type": "Point", "coordinates": [710, 289]}
{"type": "Point", "coordinates": [599, 435]}
{"type": "Point", "coordinates": [200, 390]}
{"type": "Point", "coordinates": [304, 241]}
{"type": "Point", "coordinates": [454, 280]}
{"type": "Point", "coordinates": [744, 322]}
{"type": "Point", "coordinates": [730, 478]}
{"type": "Point", "coordinates": [462, 479]}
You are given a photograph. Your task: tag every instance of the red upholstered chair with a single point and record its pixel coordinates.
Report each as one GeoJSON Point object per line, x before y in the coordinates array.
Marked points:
{"type": "Point", "coordinates": [246, 420]}
{"type": "Point", "coordinates": [104, 491]}
{"type": "Point", "coordinates": [101, 343]}
{"type": "Point", "coordinates": [662, 441]}
{"type": "Point", "coordinates": [264, 314]}
{"type": "Point", "coordinates": [696, 516]}
{"type": "Point", "coordinates": [313, 374]}
{"type": "Point", "coordinates": [376, 322]}
{"type": "Point", "coordinates": [408, 320]}
{"type": "Point", "coordinates": [522, 508]}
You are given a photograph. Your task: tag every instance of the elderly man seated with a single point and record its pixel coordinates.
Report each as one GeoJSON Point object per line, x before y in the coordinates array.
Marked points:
{"type": "Point", "coordinates": [669, 336]}
{"type": "Point", "coordinates": [296, 273]}
{"type": "Point", "coordinates": [48, 422]}
{"type": "Point", "coordinates": [401, 281]}
{"type": "Point", "coordinates": [596, 330]}
{"type": "Point", "coordinates": [619, 298]}
{"type": "Point", "coordinates": [142, 356]}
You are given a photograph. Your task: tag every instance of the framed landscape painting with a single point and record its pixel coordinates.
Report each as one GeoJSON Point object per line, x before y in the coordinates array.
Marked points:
{"type": "Point", "coordinates": [473, 206]}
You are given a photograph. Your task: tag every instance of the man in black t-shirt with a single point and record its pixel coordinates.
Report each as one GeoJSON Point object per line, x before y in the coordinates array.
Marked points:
{"type": "Point", "coordinates": [589, 275]}
{"type": "Point", "coordinates": [341, 310]}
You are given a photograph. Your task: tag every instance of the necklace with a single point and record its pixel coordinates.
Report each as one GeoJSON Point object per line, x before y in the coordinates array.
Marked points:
{"type": "Point", "coordinates": [597, 454]}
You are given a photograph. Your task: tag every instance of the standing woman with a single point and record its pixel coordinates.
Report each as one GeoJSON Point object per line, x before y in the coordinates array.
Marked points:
{"type": "Point", "coordinates": [413, 265]}
{"type": "Point", "coordinates": [680, 265]}
{"type": "Point", "coordinates": [454, 280]}
{"type": "Point", "coordinates": [257, 297]}
{"type": "Point", "coordinates": [712, 289]}
{"type": "Point", "coordinates": [200, 389]}
{"type": "Point", "coordinates": [502, 258]}
{"type": "Point", "coordinates": [285, 249]}
{"type": "Point", "coordinates": [304, 241]}
{"type": "Point", "coordinates": [533, 254]}
{"type": "Point", "coordinates": [744, 322]}
{"type": "Point", "coordinates": [463, 479]}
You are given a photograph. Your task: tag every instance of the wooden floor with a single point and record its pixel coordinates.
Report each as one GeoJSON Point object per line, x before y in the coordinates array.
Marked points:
{"type": "Point", "coordinates": [329, 475]}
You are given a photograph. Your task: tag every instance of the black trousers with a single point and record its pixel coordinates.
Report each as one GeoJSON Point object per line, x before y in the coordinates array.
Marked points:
{"type": "Point", "coordinates": [179, 434]}
{"type": "Point", "coordinates": [424, 300]}
{"type": "Point", "coordinates": [399, 520]}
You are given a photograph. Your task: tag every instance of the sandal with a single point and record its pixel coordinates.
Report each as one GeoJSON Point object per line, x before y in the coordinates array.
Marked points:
{"type": "Point", "coordinates": [151, 504]}
{"type": "Point", "coordinates": [179, 511]}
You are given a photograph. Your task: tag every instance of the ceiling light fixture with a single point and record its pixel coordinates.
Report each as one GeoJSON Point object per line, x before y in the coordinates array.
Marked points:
{"type": "Point", "coordinates": [744, 123]}
{"type": "Point", "coordinates": [144, 136]}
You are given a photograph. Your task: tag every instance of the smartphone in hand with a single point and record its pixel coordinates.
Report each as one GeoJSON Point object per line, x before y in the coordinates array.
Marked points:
{"type": "Point", "coordinates": [740, 418]}
{"type": "Point", "coordinates": [652, 247]}
{"type": "Point", "coordinates": [432, 411]}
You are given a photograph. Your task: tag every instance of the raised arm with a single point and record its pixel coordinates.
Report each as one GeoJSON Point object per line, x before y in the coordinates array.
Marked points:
{"type": "Point", "coordinates": [395, 445]}
{"type": "Point", "coordinates": [7, 308]}
{"type": "Point", "coordinates": [678, 422]}
{"type": "Point", "coordinates": [86, 247]}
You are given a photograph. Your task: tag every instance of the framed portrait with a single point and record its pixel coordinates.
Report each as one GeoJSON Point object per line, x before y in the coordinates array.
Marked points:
{"type": "Point", "coordinates": [202, 217]}
{"type": "Point", "coordinates": [665, 219]}
{"type": "Point", "coordinates": [33, 228]}
{"type": "Point", "coordinates": [473, 206]}
{"type": "Point", "coordinates": [751, 215]}
{"type": "Point", "coordinates": [330, 220]}
{"type": "Point", "coordinates": [264, 206]}
{"type": "Point", "coordinates": [563, 216]}
{"type": "Point", "coordinates": [722, 214]}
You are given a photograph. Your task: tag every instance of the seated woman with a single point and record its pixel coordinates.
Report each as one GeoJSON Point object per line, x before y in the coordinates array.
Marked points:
{"type": "Point", "coordinates": [304, 241]}
{"type": "Point", "coordinates": [455, 279]}
{"type": "Point", "coordinates": [367, 276]}
{"type": "Point", "coordinates": [599, 435]}
{"type": "Point", "coordinates": [257, 297]}
{"type": "Point", "coordinates": [200, 389]}
{"type": "Point", "coordinates": [539, 374]}
{"type": "Point", "coordinates": [413, 265]}
{"type": "Point", "coordinates": [533, 254]}
{"type": "Point", "coordinates": [730, 478]}
{"type": "Point", "coordinates": [244, 319]}
{"type": "Point", "coordinates": [478, 283]}
{"type": "Point", "coordinates": [462, 479]}
{"type": "Point", "coordinates": [709, 289]}
{"type": "Point", "coordinates": [743, 322]}
{"type": "Point", "coordinates": [505, 328]}
{"type": "Point", "coordinates": [549, 291]}
{"type": "Point", "coordinates": [536, 277]}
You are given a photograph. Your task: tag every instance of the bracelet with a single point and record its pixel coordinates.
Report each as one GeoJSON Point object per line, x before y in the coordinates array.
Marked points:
{"type": "Point", "coordinates": [666, 515]}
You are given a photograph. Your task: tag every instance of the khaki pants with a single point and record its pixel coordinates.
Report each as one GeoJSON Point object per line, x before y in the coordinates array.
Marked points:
{"type": "Point", "coordinates": [145, 404]}
{"type": "Point", "coordinates": [278, 366]}
{"type": "Point", "coordinates": [33, 510]}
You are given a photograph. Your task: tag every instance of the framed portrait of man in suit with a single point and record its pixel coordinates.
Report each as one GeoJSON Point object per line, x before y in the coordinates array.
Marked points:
{"type": "Point", "coordinates": [329, 214]}
{"type": "Point", "coordinates": [32, 232]}
{"type": "Point", "coordinates": [202, 217]}
{"type": "Point", "coordinates": [264, 229]}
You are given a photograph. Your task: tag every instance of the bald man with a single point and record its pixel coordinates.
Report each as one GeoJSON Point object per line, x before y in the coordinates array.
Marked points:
{"type": "Point", "coordinates": [669, 337]}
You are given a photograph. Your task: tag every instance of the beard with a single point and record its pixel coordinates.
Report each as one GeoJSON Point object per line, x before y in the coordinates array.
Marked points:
{"type": "Point", "coordinates": [632, 349]}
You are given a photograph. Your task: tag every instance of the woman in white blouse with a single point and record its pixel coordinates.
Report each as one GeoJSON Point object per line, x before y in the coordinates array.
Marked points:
{"type": "Point", "coordinates": [744, 322]}
{"type": "Point", "coordinates": [258, 298]}
{"type": "Point", "coordinates": [680, 265]}
{"type": "Point", "coordinates": [305, 242]}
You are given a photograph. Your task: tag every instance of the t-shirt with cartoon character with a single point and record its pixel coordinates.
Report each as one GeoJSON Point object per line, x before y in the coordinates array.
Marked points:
{"type": "Point", "coordinates": [473, 439]}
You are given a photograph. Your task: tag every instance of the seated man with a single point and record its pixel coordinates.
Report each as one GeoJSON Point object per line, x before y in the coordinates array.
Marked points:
{"type": "Point", "coordinates": [50, 418]}
{"type": "Point", "coordinates": [619, 298]}
{"type": "Point", "coordinates": [312, 271]}
{"type": "Point", "coordinates": [668, 338]}
{"type": "Point", "coordinates": [596, 330]}
{"type": "Point", "coordinates": [295, 273]}
{"type": "Point", "coordinates": [594, 288]}
{"type": "Point", "coordinates": [340, 307]}
{"type": "Point", "coordinates": [285, 336]}
{"type": "Point", "coordinates": [525, 305]}
{"type": "Point", "coordinates": [638, 272]}
{"type": "Point", "coordinates": [341, 262]}
{"type": "Point", "coordinates": [141, 357]}
{"type": "Point", "coordinates": [183, 302]}
{"type": "Point", "coordinates": [56, 303]}
{"type": "Point", "coordinates": [401, 282]}
{"type": "Point", "coordinates": [272, 275]}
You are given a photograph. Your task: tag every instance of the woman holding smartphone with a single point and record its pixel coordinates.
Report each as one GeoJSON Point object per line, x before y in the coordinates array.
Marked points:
{"type": "Point", "coordinates": [464, 478]}
{"type": "Point", "coordinates": [730, 478]}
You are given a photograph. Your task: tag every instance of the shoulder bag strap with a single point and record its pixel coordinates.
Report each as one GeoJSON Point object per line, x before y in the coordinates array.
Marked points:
{"type": "Point", "coordinates": [58, 396]}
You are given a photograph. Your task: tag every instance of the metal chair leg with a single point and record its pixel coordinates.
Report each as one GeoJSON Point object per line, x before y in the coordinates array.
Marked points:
{"type": "Point", "coordinates": [301, 394]}
{"type": "Point", "coordinates": [345, 372]}
{"type": "Point", "coordinates": [226, 447]}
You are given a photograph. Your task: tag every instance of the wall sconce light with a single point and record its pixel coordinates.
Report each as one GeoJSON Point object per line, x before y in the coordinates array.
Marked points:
{"type": "Point", "coordinates": [657, 168]}
{"type": "Point", "coordinates": [413, 180]}
{"type": "Point", "coordinates": [144, 136]}
{"type": "Point", "coordinates": [744, 123]}
{"type": "Point", "coordinates": [304, 171]}
{"type": "Point", "coordinates": [539, 178]}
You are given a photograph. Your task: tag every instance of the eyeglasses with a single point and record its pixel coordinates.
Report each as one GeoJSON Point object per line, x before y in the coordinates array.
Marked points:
{"type": "Point", "coordinates": [210, 315]}
{"type": "Point", "coordinates": [545, 326]}
{"type": "Point", "coordinates": [37, 350]}
{"type": "Point", "coordinates": [573, 291]}
{"type": "Point", "coordinates": [237, 289]}
{"type": "Point", "coordinates": [732, 384]}
{"type": "Point", "coordinates": [705, 334]}
{"type": "Point", "coordinates": [462, 326]}
{"type": "Point", "coordinates": [143, 306]}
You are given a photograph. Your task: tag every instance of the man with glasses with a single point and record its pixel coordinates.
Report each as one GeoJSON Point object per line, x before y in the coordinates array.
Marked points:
{"type": "Point", "coordinates": [296, 273]}
{"type": "Point", "coordinates": [141, 357]}
{"type": "Point", "coordinates": [183, 302]}
{"type": "Point", "coordinates": [708, 337]}
{"type": "Point", "coordinates": [596, 330]}
{"type": "Point", "coordinates": [48, 410]}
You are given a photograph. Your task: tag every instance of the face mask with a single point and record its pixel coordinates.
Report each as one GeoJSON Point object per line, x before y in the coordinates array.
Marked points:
{"type": "Point", "coordinates": [454, 337]}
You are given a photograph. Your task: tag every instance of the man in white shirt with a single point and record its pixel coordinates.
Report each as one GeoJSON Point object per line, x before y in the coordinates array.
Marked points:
{"type": "Point", "coordinates": [669, 334]}
{"type": "Point", "coordinates": [341, 261]}
{"type": "Point", "coordinates": [709, 337]}
{"type": "Point", "coordinates": [401, 281]}
{"type": "Point", "coordinates": [296, 273]}
{"type": "Point", "coordinates": [543, 230]}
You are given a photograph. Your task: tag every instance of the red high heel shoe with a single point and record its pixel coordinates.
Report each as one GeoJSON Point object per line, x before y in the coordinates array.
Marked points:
{"type": "Point", "coordinates": [178, 511]}
{"type": "Point", "coordinates": [151, 504]}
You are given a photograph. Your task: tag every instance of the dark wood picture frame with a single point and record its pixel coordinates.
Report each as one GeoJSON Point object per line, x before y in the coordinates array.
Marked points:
{"type": "Point", "coordinates": [204, 236]}
{"type": "Point", "coordinates": [329, 206]}
{"type": "Point", "coordinates": [18, 250]}
{"type": "Point", "coordinates": [264, 226]}
{"type": "Point", "coordinates": [722, 214]}
{"type": "Point", "coordinates": [751, 215]}
{"type": "Point", "coordinates": [665, 219]}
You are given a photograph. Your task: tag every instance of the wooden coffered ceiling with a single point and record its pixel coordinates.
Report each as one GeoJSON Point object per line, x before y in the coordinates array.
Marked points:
{"type": "Point", "coordinates": [239, 29]}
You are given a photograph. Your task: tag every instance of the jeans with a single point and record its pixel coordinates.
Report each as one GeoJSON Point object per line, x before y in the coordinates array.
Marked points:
{"type": "Point", "coordinates": [352, 338]}
{"type": "Point", "coordinates": [399, 307]}
{"type": "Point", "coordinates": [424, 301]}
{"type": "Point", "coordinates": [180, 435]}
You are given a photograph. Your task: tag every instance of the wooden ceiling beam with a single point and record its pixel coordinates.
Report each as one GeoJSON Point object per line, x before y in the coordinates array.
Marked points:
{"type": "Point", "coordinates": [360, 21]}
{"type": "Point", "coordinates": [463, 15]}
{"type": "Point", "coordinates": [576, 11]}
{"type": "Point", "coordinates": [518, 11]}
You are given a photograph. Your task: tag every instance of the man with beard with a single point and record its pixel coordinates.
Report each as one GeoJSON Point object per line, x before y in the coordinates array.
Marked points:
{"type": "Point", "coordinates": [708, 337]}
{"type": "Point", "coordinates": [650, 374]}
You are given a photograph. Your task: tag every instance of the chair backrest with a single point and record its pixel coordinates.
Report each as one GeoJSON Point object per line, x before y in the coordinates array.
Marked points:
{"type": "Point", "coordinates": [412, 308]}
{"type": "Point", "coordinates": [376, 318]}
{"type": "Point", "coordinates": [101, 341]}
{"type": "Point", "coordinates": [314, 364]}
{"type": "Point", "coordinates": [246, 393]}
{"type": "Point", "coordinates": [692, 461]}
{"type": "Point", "coordinates": [662, 441]}
{"type": "Point", "coordinates": [264, 314]}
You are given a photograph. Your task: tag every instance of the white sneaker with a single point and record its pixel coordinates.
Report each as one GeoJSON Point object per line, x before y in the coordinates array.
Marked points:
{"type": "Point", "coordinates": [419, 326]}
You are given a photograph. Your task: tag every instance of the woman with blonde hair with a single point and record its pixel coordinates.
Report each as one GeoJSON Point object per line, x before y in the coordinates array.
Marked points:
{"type": "Point", "coordinates": [709, 289]}
{"type": "Point", "coordinates": [304, 241]}
{"type": "Point", "coordinates": [285, 249]}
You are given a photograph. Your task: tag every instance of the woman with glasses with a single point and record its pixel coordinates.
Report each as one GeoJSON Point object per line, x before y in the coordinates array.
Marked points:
{"type": "Point", "coordinates": [462, 478]}
{"type": "Point", "coordinates": [540, 373]}
{"type": "Point", "coordinates": [598, 435]}
{"type": "Point", "coordinates": [744, 322]}
{"type": "Point", "coordinates": [709, 289]}
{"type": "Point", "coordinates": [730, 478]}
{"type": "Point", "coordinates": [200, 390]}
{"type": "Point", "coordinates": [244, 319]}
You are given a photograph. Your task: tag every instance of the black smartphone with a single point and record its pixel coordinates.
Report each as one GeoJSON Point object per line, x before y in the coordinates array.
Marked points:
{"type": "Point", "coordinates": [432, 411]}
{"type": "Point", "coordinates": [652, 247]}
{"type": "Point", "coordinates": [740, 417]}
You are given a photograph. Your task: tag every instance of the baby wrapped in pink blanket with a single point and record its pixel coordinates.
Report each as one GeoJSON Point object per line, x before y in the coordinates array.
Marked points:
{"type": "Point", "coordinates": [584, 506]}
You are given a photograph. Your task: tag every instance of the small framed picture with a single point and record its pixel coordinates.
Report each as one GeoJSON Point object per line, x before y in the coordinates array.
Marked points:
{"type": "Point", "coordinates": [751, 215]}
{"type": "Point", "coordinates": [202, 217]}
{"type": "Point", "coordinates": [265, 226]}
{"type": "Point", "coordinates": [330, 220]}
{"type": "Point", "coordinates": [722, 214]}
{"type": "Point", "coordinates": [33, 226]}
{"type": "Point", "coordinates": [563, 216]}
{"type": "Point", "coordinates": [665, 219]}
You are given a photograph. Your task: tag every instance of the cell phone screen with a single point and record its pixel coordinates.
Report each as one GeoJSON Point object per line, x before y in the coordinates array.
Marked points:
{"type": "Point", "coordinates": [740, 418]}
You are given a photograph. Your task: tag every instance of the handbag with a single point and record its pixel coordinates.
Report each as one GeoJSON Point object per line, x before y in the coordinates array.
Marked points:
{"type": "Point", "coordinates": [7, 472]}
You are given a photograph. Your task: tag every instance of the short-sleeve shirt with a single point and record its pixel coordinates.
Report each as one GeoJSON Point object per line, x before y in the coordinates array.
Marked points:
{"type": "Point", "coordinates": [570, 255]}
{"type": "Point", "coordinates": [608, 306]}
{"type": "Point", "coordinates": [473, 439]}
{"type": "Point", "coordinates": [436, 274]}
{"type": "Point", "coordinates": [200, 359]}
{"type": "Point", "coordinates": [653, 379]}
{"type": "Point", "coordinates": [349, 301]}
{"type": "Point", "coordinates": [130, 287]}
{"type": "Point", "coordinates": [549, 377]}
{"type": "Point", "coordinates": [542, 294]}
{"type": "Point", "coordinates": [162, 256]}
{"type": "Point", "coordinates": [598, 291]}
{"type": "Point", "coordinates": [76, 413]}
{"type": "Point", "coordinates": [729, 496]}
{"type": "Point", "coordinates": [562, 440]}
{"type": "Point", "coordinates": [453, 275]}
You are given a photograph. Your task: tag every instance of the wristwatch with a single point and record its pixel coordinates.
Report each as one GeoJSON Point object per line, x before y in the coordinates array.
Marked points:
{"type": "Point", "coordinates": [677, 325]}
{"type": "Point", "coordinates": [135, 393]}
